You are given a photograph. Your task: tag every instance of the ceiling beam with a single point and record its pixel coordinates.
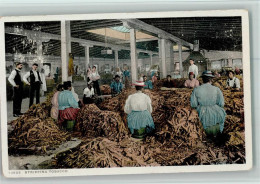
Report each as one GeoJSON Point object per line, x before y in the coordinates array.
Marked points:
{"type": "Point", "coordinates": [42, 35]}
{"type": "Point", "coordinates": [140, 25]}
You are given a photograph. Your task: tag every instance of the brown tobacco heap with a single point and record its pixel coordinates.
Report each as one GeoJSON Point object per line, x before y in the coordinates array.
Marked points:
{"type": "Point", "coordinates": [179, 138]}
{"type": "Point", "coordinates": [35, 132]}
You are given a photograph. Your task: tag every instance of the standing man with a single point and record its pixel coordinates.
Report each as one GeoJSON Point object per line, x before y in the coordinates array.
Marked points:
{"type": "Point", "coordinates": [193, 68]}
{"type": "Point", "coordinates": [15, 80]}
{"type": "Point", "coordinates": [35, 83]}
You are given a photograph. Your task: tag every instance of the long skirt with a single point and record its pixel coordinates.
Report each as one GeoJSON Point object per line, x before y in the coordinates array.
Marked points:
{"type": "Point", "coordinates": [68, 114]}
{"type": "Point", "coordinates": [140, 119]}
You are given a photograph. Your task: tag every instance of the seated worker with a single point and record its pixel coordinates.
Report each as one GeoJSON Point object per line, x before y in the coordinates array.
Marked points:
{"type": "Point", "coordinates": [233, 82]}
{"type": "Point", "coordinates": [208, 100]}
{"type": "Point", "coordinates": [138, 106]}
{"type": "Point", "coordinates": [169, 83]}
{"type": "Point", "coordinates": [116, 86]}
{"type": "Point", "coordinates": [154, 78]}
{"type": "Point", "coordinates": [191, 82]}
{"type": "Point", "coordinates": [148, 83]}
{"type": "Point", "coordinates": [54, 102]}
{"type": "Point", "coordinates": [76, 96]}
{"type": "Point", "coordinates": [68, 106]}
{"type": "Point", "coordinates": [88, 94]}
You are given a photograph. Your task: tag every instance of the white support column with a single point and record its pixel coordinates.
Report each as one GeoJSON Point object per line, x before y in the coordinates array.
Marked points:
{"type": "Point", "coordinates": [151, 57]}
{"type": "Point", "coordinates": [172, 64]}
{"type": "Point", "coordinates": [116, 58]}
{"type": "Point", "coordinates": [65, 48]}
{"type": "Point", "coordinates": [180, 59]}
{"type": "Point", "coordinates": [230, 62]}
{"type": "Point", "coordinates": [86, 57]}
{"type": "Point", "coordinates": [163, 51]}
{"type": "Point", "coordinates": [133, 55]}
{"type": "Point", "coordinates": [39, 47]}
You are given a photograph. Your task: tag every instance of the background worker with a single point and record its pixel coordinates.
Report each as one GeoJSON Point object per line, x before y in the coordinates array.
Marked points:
{"type": "Point", "coordinates": [191, 82]}
{"type": "Point", "coordinates": [148, 83]}
{"type": "Point", "coordinates": [116, 86]}
{"type": "Point", "coordinates": [232, 82]}
{"type": "Point", "coordinates": [193, 68]}
{"type": "Point", "coordinates": [169, 83]}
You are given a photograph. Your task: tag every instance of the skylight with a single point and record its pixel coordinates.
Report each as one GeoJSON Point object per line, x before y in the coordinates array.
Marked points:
{"type": "Point", "coordinates": [121, 29]}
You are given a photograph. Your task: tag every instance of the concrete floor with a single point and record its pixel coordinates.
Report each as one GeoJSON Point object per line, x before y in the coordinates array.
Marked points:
{"type": "Point", "coordinates": [25, 107]}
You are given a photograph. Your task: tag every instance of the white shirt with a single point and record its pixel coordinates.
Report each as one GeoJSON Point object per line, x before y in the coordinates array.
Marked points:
{"type": "Point", "coordinates": [12, 76]}
{"type": "Point", "coordinates": [44, 87]}
{"type": "Point", "coordinates": [75, 95]}
{"type": "Point", "coordinates": [138, 102]}
{"type": "Point", "coordinates": [193, 68]}
{"type": "Point", "coordinates": [235, 81]}
{"type": "Point", "coordinates": [27, 75]}
{"type": "Point", "coordinates": [88, 92]}
{"type": "Point", "coordinates": [94, 76]}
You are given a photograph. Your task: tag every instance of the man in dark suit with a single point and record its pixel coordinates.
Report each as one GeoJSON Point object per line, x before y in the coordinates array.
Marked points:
{"type": "Point", "coordinates": [34, 83]}
{"type": "Point", "coordinates": [15, 80]}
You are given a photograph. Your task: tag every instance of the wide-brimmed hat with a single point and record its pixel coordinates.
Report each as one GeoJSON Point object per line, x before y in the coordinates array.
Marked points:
{"type": "Point", "coordinates": [139, 83]}
{"type": "Point", "coordinates": [207, 73]}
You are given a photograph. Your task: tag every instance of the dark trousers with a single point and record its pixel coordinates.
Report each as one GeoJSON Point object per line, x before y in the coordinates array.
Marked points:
{"type": "Point", "coordinates": [17, 99]}
{"type": "Point", "coordinates": [35, 88]}
{"type": "Point", "coordinates": [96, 87]}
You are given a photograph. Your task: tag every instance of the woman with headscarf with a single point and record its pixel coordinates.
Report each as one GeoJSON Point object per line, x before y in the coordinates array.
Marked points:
{"type": "Point", "coordinates": [138, 107]}
{"type": "Point", "coordinates": [209, 102]}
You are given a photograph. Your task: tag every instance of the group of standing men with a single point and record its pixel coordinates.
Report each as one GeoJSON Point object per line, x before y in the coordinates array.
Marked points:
{"type": "Point", "coordinates": [17, 80]}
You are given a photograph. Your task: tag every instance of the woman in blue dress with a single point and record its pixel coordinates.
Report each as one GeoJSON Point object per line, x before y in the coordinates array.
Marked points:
{"type": "Point", "coordinates": [138, 107]}
{"type": "Point", "coordinates": [209, 102]}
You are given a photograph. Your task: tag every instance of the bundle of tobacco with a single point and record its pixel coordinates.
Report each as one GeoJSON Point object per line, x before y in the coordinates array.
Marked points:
{"type": "Point", "coordinates": [92, 122]}
{"type": "Point", "coordinates": [234, 102]}
{"type": "Point", "coordinates": [34, 135]}
{"type": "Point", "coordinates": [184, 126]}
{"type": "Point", "coordinates": [105, 89]}
{"type": "Point", "coordinates": [102, 152]}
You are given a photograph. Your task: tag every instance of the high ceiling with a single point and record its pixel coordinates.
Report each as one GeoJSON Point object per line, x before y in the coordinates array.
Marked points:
{"type": "Point", "coordinates": [213, 33]}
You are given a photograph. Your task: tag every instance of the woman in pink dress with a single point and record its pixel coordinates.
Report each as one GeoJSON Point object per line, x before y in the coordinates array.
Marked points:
{"type": "Point", "coordinates": [191, 82]}
{"type": "Point", "coordinates": [55, 104]}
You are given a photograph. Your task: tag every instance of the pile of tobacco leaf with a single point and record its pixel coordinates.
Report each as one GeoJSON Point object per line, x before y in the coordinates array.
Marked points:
{"type": "Point", "coordinates": [179, 138]}
{"type": "Point", "coordinates": [105, 90]}
{"type": "Point", "coordinates": [35, 132]}
{"type": "Point", "coordinates": [93, 122]}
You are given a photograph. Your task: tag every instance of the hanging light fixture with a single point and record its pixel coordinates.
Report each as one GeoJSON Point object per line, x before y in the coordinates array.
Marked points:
{"type": "Point", "coordinates": [106, 50]}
